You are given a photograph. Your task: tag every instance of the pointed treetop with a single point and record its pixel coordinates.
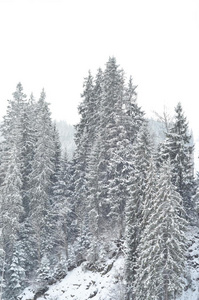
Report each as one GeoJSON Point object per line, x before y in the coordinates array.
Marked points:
{"type": "Point", "coordinates": [180, 126]}
{"type": "Point", "coordinates": [19, 87]}
{"type": "Point", "coordinates": [112, 60]}
{"type": "Point", "coordinates": [43, 95]}
{"type": "Point", "coordinates": [131, 93]}
{"type": "Point", "coordinates": [18, 94]}
{"type": "Point", "coordinates": [111, 63]}
{"type": "Point", "coordinates": [88, 81]}
{"type": "Point", "coordinates": [32, 98]}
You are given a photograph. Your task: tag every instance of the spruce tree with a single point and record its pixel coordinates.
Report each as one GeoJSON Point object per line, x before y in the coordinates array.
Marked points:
{"type": "Point", "coordinates": [61, 213]}
{"type": "Point", "coordinates": [160, 264]}
{"type": "Point", "coordinates": [178, 148]}
{"type": "Point", "coordinates": [16, 274]}
{"type": "Point", "coordinates": [83, 141]}
{"type": "Point", "coordinates": [103, 162]}
{"type": "Point", "coordinates": [29, 165]}
{"type": "Point", "coordinates": [15, 170]}
{"type": "Point", "coordinates": [85, 138]}
{"type": "Point", "coordinates": [134, 116]}
{"type": "Point", "coordinates": [93, 201]}
{"type": "Point", "coordinates": [111, 135]}
{"type": "Point", "coordinates": [40, 177]}
{"type": "Point", "coordinates": [56, 160]}
{"type": "Point", "coordinates": [121, 119]}
{"type": "Point", "coordinates": [11, 211]}
{"type": "Point", "coordinates": [142, 153]}
{"type": "Point", "coordinates": [27, 147]}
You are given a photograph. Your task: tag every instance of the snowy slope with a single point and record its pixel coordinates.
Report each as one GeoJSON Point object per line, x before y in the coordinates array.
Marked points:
{"type": "Point", "coordinates": [81, 284]}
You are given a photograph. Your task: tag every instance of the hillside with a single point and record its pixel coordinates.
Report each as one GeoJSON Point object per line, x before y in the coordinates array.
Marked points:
{"type": "Point", "coordinates": [86, 284]}
{"type": "Point", "coordinates": [109, 284]}
{"type": "Point", "coordinates": [75, 228]}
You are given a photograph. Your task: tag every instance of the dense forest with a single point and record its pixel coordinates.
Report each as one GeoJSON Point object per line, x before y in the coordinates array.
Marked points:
{"type": "Point", "coordinates": [124, 192]}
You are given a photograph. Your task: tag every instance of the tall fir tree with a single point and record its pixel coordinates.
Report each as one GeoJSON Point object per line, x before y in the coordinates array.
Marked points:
{"type": "Point", "coordinates": [179, 149]}
{"type": "Point", "coordinates": [12, 175]}
{"type": "Point", "coordinates": [162, 248]}
{"type": "Point", "coordinates": [96, 226]}
{"type": "Point", "coordinates": [111, 132]}
{"type": "Point", "coordinates": [85, 138]}
{"type": "Point", "coordinates": [40, 177]}
{"type": "Point", "coordinates": [29, 165]}
{"type": "Point", "coordinates": [62, 216]}
{"type": "Point", "coordinates": [104, 139]}
{"type": "Point", "coordinates": [134, 116]}
{"type": "Point", "coordinates": [56, 160]}
{"type": "Point", "coordinates": [82, 140]}
{"type": "Point", "coordinates": [11, 215]}
{"type": "Point", "coordinates": [27, 147]}
{"type": "Point", "coordinates": [142, 153]}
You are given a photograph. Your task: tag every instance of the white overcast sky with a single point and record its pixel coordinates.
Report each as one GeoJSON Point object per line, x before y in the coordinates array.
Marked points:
{"type": "Point", "coordinates": [53, 44]}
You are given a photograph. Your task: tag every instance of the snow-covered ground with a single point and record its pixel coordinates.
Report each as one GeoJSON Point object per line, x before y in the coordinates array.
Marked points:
{"type": "Point", "coordinates": [81, 284]}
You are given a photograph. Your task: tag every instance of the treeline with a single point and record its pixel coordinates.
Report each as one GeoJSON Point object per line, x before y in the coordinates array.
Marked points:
{"type": "Point", "coordinates": [118, 188]}
{"type": "Point", "coordinates": [31, 167]}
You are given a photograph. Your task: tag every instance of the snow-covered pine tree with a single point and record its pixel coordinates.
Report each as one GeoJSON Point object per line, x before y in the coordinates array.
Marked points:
{"type": "Point", "coordinates": [142, 153]}
{"type": "Point", "coordinates": [84, 130]}
{"type": "Point", "coordinates": [150, 192]}
{"type": "Point", "coordinates": [27, 146]}
{"type": "Point", "coordinates": [62, 216]}
{"type": "Point", "coordinates": [56, 160]}
{"type": "Point", "coordinates": [82, 140]}
{"type": "Point", "coordinates": [12, 176]}
{"type": "Point", "coordinates": [178, 148]}
{"type": "Point", "coordinates": [11, 211]}
{"type": "Point", "coordinates": [27, 167]}
{"type": "Point", "coordinates": [111, 134]}
{"type": "Point", "coordinates": [40, 178]}
{"type": "Point", "coordinates": [85, 138]}
{"type": "Point", "coordinates": [16, 273]}
{"type": "Point", "coordinates": [104, 150]}
{"type": "Point", "coordinates": [134, 116]}
{"type": "Point", "coordinates": [161, 251]}
{"type": "Point", "coordinates": [12, 121]}
{"type": "Point", "coordinates": [96, 226]}
{"type": "Point", "coordinates": [12, 129]}
{"type": "Point", "coordinates": [92, 224]}
{"type": "Point", "coordinates": [121, 119]}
